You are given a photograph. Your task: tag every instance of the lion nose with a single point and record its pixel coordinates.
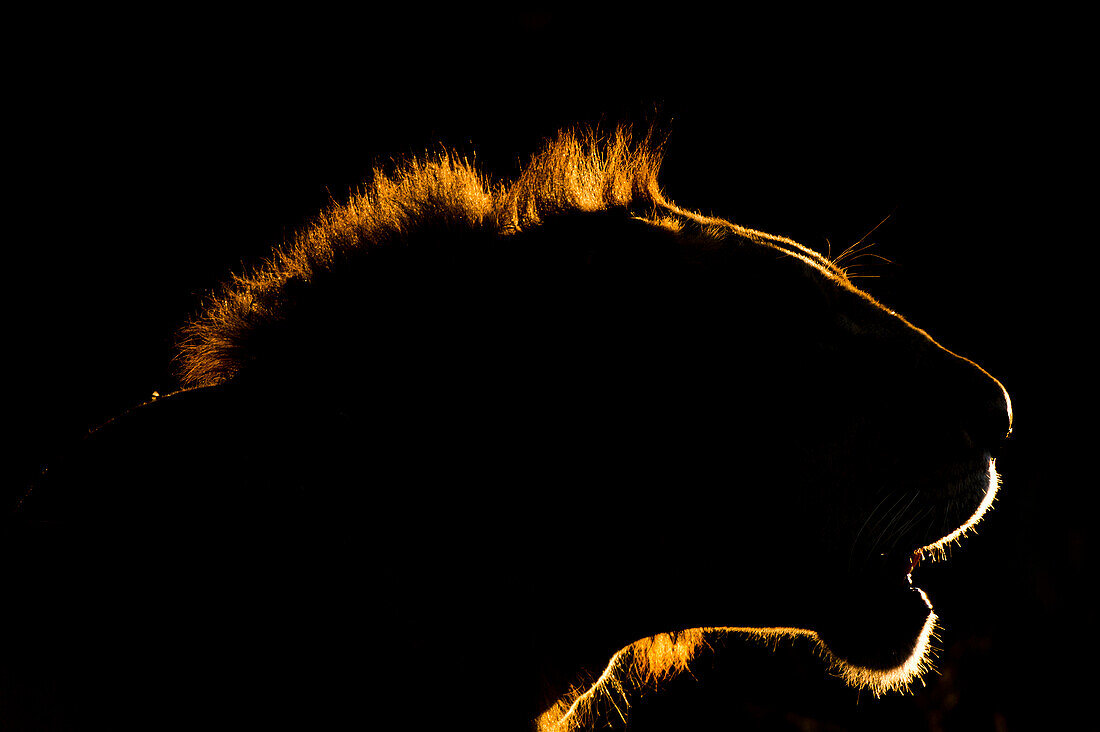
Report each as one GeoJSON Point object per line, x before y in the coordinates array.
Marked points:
{"type": "Point", "coordinates": [988, 427]}
{"type": "Point", "coordinates": [988, 419]}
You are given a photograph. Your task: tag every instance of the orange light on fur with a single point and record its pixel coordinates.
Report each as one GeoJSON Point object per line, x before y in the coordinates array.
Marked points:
{"type": "Point", "coordinates": [938, 549]}
{"type": "Point", "coordinates": [645, 664]}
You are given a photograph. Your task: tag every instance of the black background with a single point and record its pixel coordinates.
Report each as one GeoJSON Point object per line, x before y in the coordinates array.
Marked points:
{"type": "Point", "coordinates": [155, 154]}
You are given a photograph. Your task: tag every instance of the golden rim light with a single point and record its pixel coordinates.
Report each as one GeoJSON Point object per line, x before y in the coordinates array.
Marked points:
{"type": "Point", "coordinates": [646, 663]}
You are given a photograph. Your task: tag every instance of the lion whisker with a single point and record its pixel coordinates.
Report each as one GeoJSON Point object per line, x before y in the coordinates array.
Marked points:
{"type": "Point", "coordinates": [903, 530]}
{"type": "Point", "coordinates": [855, 542]}
{"type": "Point", "coordinates": [896, 515]}
{"type": "Point", "coordinates": [863, 238]}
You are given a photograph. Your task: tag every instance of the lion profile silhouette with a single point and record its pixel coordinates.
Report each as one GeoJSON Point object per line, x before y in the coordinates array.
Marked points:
{"type": "Point", "coordinates": [462, 440]}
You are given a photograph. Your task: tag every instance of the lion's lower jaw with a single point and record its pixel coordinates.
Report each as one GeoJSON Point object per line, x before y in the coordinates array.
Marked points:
{"type": "Point", "coordinates": [643, 666]}
{"type": "Point", "coordinates": [899, 677]}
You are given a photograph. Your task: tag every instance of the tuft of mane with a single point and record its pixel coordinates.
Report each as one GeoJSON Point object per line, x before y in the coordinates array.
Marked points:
{"type": "Point", "coordinates": [426, 206]}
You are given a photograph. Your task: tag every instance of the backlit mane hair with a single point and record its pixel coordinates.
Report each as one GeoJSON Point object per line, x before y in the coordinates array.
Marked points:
{"type": "Point", "coordinates": [578, 171]}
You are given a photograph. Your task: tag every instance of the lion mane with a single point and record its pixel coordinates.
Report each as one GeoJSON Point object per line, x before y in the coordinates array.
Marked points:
{"type": "Point", "coordinates": [425, 200]}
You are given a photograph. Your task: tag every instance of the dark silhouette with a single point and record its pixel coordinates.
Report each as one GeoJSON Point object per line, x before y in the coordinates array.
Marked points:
{"type": "Point", "coordinates": [464, 441]}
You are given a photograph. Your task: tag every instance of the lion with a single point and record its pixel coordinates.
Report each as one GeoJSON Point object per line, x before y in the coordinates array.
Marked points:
{"type": "Point", "coordinates": [512, 454]}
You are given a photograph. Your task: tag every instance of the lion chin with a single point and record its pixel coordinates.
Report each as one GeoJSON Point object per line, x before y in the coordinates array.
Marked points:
{"type": "Point", "coordinates": [881, 640]}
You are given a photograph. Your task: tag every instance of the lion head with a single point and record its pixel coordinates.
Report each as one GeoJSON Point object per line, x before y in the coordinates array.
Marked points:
{"type": "Point", "coordinates": [475, 437]}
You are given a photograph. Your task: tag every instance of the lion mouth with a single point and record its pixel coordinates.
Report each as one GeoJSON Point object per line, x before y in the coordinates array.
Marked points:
{"type": "Point", "coordinates": [980, 481]}
{"type": "Point", "coordinates": [939, 549]}
{"type": "Point", "coordinates": [914, 562]}
{"type": "Point", "coordinates": [881, 615]}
